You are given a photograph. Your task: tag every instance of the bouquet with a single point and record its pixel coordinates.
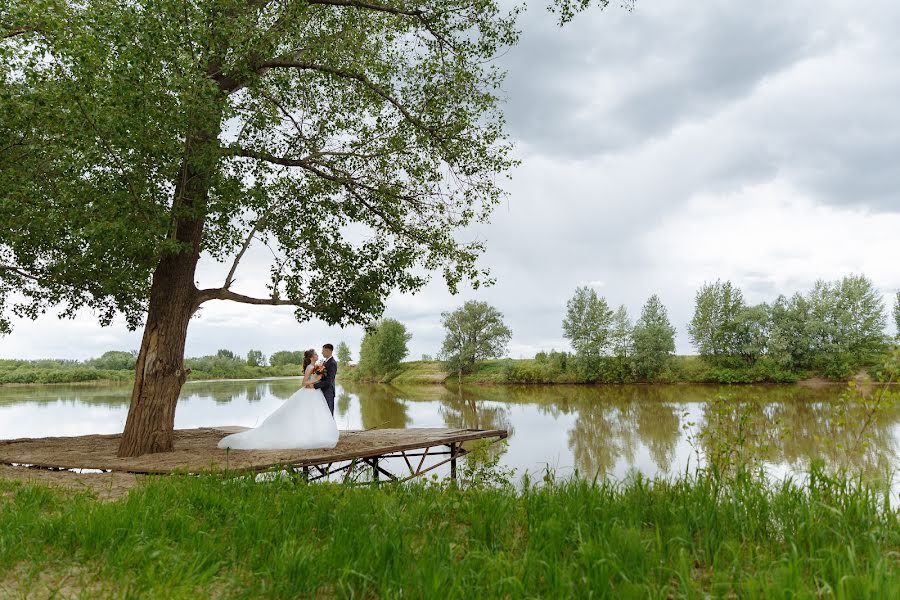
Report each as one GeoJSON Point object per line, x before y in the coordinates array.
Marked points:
{"type": "Point", "coordinates": [319, 370]}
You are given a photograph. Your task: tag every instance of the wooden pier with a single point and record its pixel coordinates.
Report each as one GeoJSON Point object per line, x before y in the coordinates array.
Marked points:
{"type": "Point", "coordinates": [196, 451]}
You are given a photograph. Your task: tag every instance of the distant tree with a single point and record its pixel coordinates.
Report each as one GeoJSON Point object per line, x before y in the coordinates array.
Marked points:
{"type": "Point", "coordinates": [286, 357]}
{"type": "Point", "coordinates": [654, 340]}
{"type": "Point", "coordinates": [383, 347]}
{"type": "Point", "coordinates": [343, 353]}
{"type": "Point", "coordinates": [227, 354]}
{"type": "Point", "coordinates": [789, 336]}
{"type": "Point", "coordinates": [621, 331]}
{"type": "Point", "coordinates": [846, 325]}
{"type": "Point", "coordinates": [474, 332]}
{"type": "Point", "coordinates": [713, 329]}
{"type": "Point", "coordinates": [559, 361]}
{"type": "Point", "coordinates": [427, 358]}
{"type": "Point", "coordinates": [114, 360]}
{"type": "Point", "coordinates": [753, 327]}
{"type": "Point", "coordinates": [588, 323]}
{"type": "Point", "coordinates": [255, 358]}
{"type": "Point", "coordinates": [897, 314]}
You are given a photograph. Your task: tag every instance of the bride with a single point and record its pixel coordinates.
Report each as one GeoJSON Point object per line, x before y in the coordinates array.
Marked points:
{"type": "Point", "coordinates": [303, 421]}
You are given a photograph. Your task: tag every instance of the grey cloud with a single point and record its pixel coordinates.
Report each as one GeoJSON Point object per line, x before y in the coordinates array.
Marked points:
{"type": "Point", "coordinates": [614, 79]}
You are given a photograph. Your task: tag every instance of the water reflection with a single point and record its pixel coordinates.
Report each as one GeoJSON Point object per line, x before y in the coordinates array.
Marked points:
{"type": "Point", "coordinates": [594, 429]}
{"type": "Point", "coordinates": [382, 408]}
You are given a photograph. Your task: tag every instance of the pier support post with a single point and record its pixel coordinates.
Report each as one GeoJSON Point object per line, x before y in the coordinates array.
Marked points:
{"type": "Point", "coordinates": [453, 462]}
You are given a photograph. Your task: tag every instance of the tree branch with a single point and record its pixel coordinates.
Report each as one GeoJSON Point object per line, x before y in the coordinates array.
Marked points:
{"type": "Point", "coordinates": [308, 164]}
{"type": "Point", "coordinates": [11, 33]}
{"type": "Point", "coordinates": [229, 279]}
{"type": "Point", "coordinates": [290, 63]}
{"type": "Point", "coordinates": [20, 272]}
{"type": "Point", "coordinates": [224, 294]}
{"type": "Point", "coordinates": [376, 6]}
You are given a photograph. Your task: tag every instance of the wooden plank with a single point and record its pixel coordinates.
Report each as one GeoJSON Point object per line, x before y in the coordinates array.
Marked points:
{"type": "Point", "coordinates": [196, 450]}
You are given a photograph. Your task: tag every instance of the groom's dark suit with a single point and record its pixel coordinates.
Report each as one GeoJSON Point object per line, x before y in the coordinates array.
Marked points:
{"type": "Point", "coordinates": [326, 384]}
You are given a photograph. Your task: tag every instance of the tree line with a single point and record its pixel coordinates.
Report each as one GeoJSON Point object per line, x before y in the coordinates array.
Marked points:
{"type": "Point", "coordinates": [835, 328]}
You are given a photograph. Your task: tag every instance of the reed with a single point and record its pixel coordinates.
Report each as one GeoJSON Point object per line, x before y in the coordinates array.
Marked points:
{"type": "Point", "coordinates": [701, 535]}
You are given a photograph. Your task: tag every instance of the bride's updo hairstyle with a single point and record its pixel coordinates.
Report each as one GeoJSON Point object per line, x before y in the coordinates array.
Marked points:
{"type": "Point", "coordinates": [307, 358]}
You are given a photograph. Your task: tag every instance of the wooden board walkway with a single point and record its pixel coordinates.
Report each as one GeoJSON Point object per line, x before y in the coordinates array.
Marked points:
{"type": "Point", "coordinates": [196, 451]}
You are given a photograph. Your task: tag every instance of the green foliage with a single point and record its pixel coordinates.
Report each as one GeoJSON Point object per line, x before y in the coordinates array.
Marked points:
{"type": "Point", "coordinates": [835, 329]}
{"type": "Point", "coordinates": [286, 357]}
{"type": "Point", "coordinates": [114, 360]}
{"type": "Point", "coordinates": [123, 125]}
{"type": "Point", "coordinates": [343, 353]}
{"type": "Point", "coordinates": [59, 371]}
{"type": "Point", "coordinates": [474, 332]}
{"type": "Point", "coordinates": [117, 366]}
{"type": "Point", "coordinates": [621, 332]}
{"type": "Point", "coordinates": [255, 358]}
{"type": "Point", "coordinates": [752, 331]}
{"type": "Point", "coordinates": [897, 315]}
{"type": "Point", "coordinates": [621, 344]}
{"type": "Point", "coordinates": [692, 536]}
{"type": "Point", "coordinates": [383, 347]}
{"type": "Point", "coordinates": [714, 329]}
{"type": "Point", "coordinates": [846, 325]}
{"type": "Point", "coordinates": [654, 340]}
{"type": "Point", "coordinates": [789, 341]}
{"type": "Point", "coordinates": [588, 324]}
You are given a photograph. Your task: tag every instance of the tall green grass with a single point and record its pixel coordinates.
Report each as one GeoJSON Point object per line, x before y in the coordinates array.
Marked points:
{"type": "Point", "coordinates": [700, 536]}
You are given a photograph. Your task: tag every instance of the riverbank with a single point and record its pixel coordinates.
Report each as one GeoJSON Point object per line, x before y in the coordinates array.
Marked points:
{"type": "Point", "coordinates": [21, 372]}
{"type": "Point", "coordinates": [681, 369]}
{"type": "Point", "coordinates": [183, 537]}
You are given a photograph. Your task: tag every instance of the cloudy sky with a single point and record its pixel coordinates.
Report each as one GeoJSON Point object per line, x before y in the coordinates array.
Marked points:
{"type": "Point", "coordinates": [664, 147]}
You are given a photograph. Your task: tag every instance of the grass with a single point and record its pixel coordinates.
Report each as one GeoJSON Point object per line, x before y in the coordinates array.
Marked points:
{"type": "Point", "coordinates": [180, 537]}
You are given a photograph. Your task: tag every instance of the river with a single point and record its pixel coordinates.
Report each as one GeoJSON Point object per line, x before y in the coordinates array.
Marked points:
{"type": "Point", "coordinates": [613, 430]}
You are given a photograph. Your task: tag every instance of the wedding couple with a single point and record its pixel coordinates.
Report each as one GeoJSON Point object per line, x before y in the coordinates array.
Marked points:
{"type": "Point", "coordinates": [305, 420]}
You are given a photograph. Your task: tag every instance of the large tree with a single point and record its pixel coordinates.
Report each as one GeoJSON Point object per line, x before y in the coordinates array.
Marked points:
{"type": "Point", "coordinates": [621, 333]}
{"type": "Point", "coordinates": [383, 347]}
{"type": "Point", "coordinates": [138, 135]}
{"type": "Point", "coordinates": [654, 340]}
{"type": "Point", "coordinates": [789, 338]}
{"type": "Point", "coordinates": [343, 353]}
{"type": "Point", "coordinates": [714, 328]}
{"type": "Point", "coordinates": [847, 322]}
{"type": "Point", "coordinates": [588, 323]}
{"type": "Point", "coordinates": [474, 332]}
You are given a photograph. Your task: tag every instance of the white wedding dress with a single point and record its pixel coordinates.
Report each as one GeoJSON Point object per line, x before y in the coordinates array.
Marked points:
{"type": "Point", "coordinates": [302, 422]}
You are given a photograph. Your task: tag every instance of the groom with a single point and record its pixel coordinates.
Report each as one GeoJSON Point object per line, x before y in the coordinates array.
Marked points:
{"type": "Point", "coordinates": [326, 384]}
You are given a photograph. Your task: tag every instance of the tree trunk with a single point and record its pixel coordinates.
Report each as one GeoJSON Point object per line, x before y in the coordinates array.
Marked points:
{"type": "Point", "coordinates": [159, 372]}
